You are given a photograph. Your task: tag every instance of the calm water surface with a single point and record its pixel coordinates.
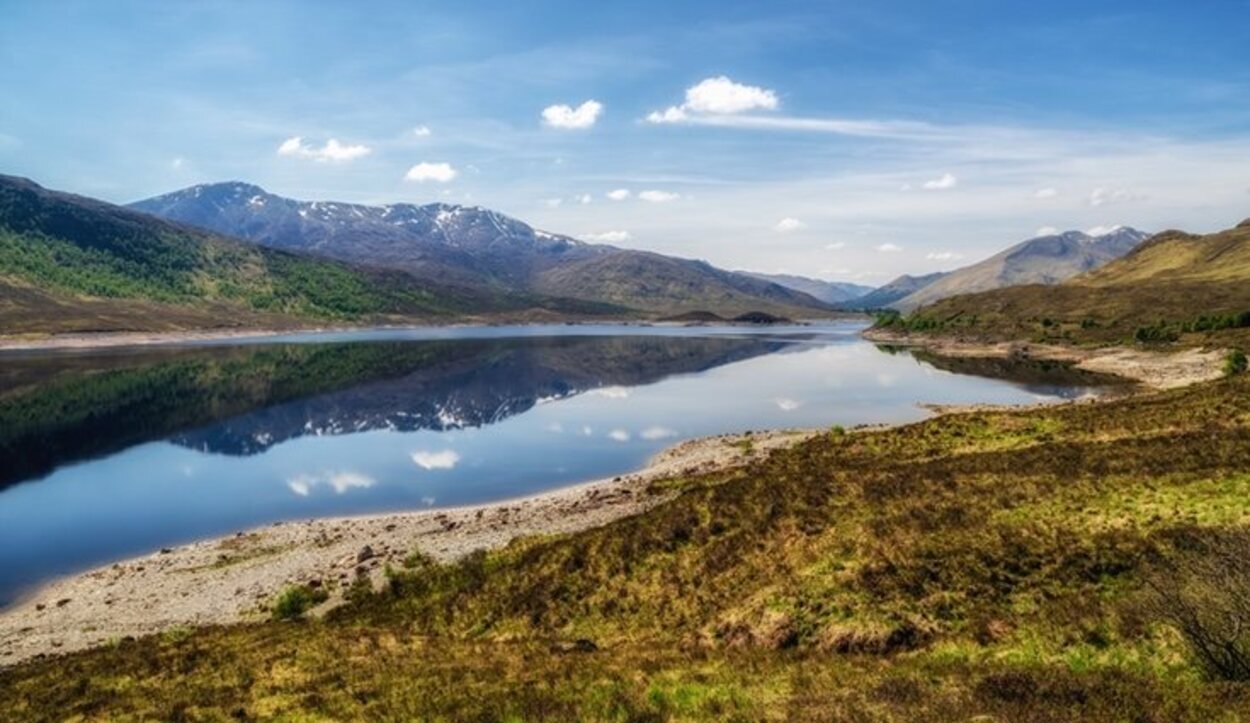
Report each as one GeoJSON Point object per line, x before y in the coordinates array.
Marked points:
{"type": "Point", "coordinates": [108, 455]}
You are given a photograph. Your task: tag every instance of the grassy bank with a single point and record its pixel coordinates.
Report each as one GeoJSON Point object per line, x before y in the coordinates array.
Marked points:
{"type": "Point", "coordinates": [988, 563]}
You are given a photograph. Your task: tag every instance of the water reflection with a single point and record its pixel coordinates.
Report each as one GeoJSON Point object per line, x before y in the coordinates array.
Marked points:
{"type": "Point", "coordinates": [126, 452]}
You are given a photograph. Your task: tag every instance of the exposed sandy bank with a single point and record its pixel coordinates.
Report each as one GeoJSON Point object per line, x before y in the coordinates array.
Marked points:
{"type": "Point", "coordinates": [1154, 369]}
{"type": "Point", "coordinates": [235, 578]}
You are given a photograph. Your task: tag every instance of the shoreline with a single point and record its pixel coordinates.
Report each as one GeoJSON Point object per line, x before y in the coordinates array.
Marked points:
{"type": "Point", "coordinates": [88, 341]}
{"type": "Point", "coordinates": [234, 578]}
{"type": "Point", "coordinates": [1152, 369]}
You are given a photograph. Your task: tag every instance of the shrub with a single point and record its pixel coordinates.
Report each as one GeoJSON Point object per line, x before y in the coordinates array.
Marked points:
{"type": "Point", "coordinates": [1235, 362]}
{"type": "Point", "coordinates": [296, 600]}
{"type": "Point", "coordinates": [1203, 590]}
{"type": "Point", "coordinates": [1155, 333]}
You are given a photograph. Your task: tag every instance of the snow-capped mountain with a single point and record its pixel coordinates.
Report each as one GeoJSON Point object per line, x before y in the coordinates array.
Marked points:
{"type": "Point", "coordinates": [474, 246]}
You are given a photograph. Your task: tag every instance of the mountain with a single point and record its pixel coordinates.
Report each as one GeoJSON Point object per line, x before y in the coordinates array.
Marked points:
{"type": "Point", "coordinates": [1042, 260]}
{"type": "Point", "coordinates": [1173, 284]}
{"type": "Point", "coordinates": [474, 246]}
{"type": "Point", "coordinates": [884, 297]}
{"type": "Point", "coordinates": [73, 264]}
{"type": "Point", "coordinates": [830, 292]}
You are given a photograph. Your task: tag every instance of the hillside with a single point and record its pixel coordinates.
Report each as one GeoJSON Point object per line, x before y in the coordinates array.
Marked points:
{"type": "Point", "coordinates": [658, 283]}
{"type": "Point", "coordinates": [1174, 287]}
{"type": "Point", "coordinates": [993, 565]}
{"type": "Point", "coordinates": [886, 296]}
{"type": "Point", "coordinates": [476, 247]}
{"type": "Point", "coordinates": [69, 263]}
{"type": "Point", "coordinates": [1042, 260]}
{"type": "Point", "coordinates": [830, 292]}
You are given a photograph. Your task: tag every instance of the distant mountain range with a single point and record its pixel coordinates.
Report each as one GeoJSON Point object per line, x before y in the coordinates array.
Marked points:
{"type": "Point", "coordinates": [886, 296]}
{"type": "Point", "coordinates": [1172, 284]}
{"type": "Point", "coordinates": [830, 292]}
{"type": "Point", "coordinates": [1042, 260]}
{"type": "Point", "coordinates": [476, 246]}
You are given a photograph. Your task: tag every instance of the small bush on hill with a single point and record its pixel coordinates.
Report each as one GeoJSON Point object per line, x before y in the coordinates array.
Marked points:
{"type": "Point", "coordinates": [296, 600]}
{"type": "Point", "coordinates": [1235, 362]}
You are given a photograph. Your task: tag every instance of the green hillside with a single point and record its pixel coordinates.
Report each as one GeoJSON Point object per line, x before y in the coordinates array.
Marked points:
{"type": "Point", "coordinates": [1174, 287]}
{"type": "Point", "coordinates": [1013, 565]}
{"type": "Point", "coordinates": [69, 263]}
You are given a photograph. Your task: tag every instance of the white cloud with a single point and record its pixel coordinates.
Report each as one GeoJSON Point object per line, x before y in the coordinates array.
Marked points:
{"type": "Point", "coordinates": [787, 405]}
{"type": "Point", "coordinates": [331, 151]}
{"type": "Point", "coordinates": [619, 435]}
{"type": "Point", "coordinates": [889, 248]}
{"type": "Point", "coordinates": [426, 171]}
{"type": "Point", "coordinates": [177, 163]}
{"type": "Point", "coordinates": [653, 433]}
{"type": "Point", "coordinates": [619, 194]}
{"type": "Point", "coordinates": [943, 256]}
{"type": "Point", "coordinates": [422, 131]}
{"type": "Point", "coordinates": [788, 224]}
{"type": "Point", "coordinates": [836, 245]}
{"type": "Point", "coordinates": [1047, 231]}
{"type": "Point", "coordinates": [672, 114]}
{"type": "Point", "coordinates": [1045, 193]}
{"type": "Point", "coordinates": [1103, 196]}
{"type": "Point", "coordinates": [553, 202]}
{"type": "Point", "coordinates": [1103, 230]}
{"type": "Point", "coordinates": [658, 196]}
{"type": "Point", "coordinates": [567, 117]}
{"type": "Point", "coordinates": [443, 459]}
{"type": "Point", "coordinates": [607, 237]}
{"type": "Point", "coordinates": [941, 184]}
{"type": "Point", "coordinates": [717, 96]}
{"type": "Point", "coordinates": [584, 199]}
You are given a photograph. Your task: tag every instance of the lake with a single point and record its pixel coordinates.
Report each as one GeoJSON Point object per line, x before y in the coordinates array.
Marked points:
{"type": "Point", "coordinates": [115, 453]}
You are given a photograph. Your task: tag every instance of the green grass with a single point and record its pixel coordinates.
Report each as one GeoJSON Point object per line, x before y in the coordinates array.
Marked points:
{"type": "Point", "coordinates": [977, 564]}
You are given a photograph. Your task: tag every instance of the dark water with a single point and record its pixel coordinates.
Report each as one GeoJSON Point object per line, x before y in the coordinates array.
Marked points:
{"type": "Point", "coordinates": [108, 455]}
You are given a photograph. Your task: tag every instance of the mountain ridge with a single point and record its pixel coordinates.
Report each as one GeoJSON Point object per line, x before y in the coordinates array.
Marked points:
{"type": "Point", "coordinates": [70, 263]}
{"type": "Point", "coordinates": [830, 292]}
{"type": "Point", "coordinates": [1047, 259]}
{"type": "Point", "coordinates": [476, 246]}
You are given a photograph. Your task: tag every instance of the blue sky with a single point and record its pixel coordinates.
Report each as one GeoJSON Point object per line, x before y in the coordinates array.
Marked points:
{"type": "Point", "coordinates": [850, 140]}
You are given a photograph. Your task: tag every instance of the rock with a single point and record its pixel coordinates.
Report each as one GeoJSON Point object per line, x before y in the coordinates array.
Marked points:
{"type": "Point", "coordinates": [581, 645]}
{"type": "Point", "coordinates": [167, 550]}
{"type": "Point", "coordinates": [62, 602]}
{"type": "Point", "coordinates": [391, 527]}
{"type": "Point", "coordinates": [365, 553]}
{"type": "Point", "coordinates": [40, 606]}
{"type": "Point", "coordinates": [314, 583]}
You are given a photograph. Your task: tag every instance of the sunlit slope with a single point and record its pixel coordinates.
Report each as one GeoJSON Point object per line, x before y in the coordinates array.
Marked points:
{"type": "Point", "coordinates": [1176, 286]}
